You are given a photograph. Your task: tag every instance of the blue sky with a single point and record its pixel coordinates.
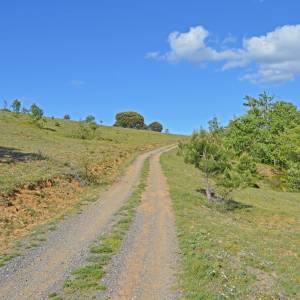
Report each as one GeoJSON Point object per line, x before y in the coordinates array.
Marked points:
{"type": "Point", "coordinates": [179, 62]}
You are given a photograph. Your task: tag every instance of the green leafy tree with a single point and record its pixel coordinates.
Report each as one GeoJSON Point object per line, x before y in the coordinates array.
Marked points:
{"type": "Point", "coordinates": [155, 126]}
{"type": "Point", "coordinates": [292, 176]}
{"type": "Point", "coordinates": [36, 112]}
{"type": "Point", "coordinates": [16, 106]}
{"type": "Point", "coordinates": [206, 152]}
{"type": "Point", "coordinates": [261, 131]}
{"type": "Point", "coordinates": [90, 119]}
{"type": "Point", "coordinates": [241, 173]}
{"type": "Point", "coordinates": [130, 119]}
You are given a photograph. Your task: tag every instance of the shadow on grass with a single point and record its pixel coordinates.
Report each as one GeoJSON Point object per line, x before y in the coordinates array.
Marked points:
{"type": "Point", "coordinates": [49, 129]}
{"type": "Point", "coordinates": [232, 205]}
{"type": "Point", "coordinates": [225, 204]}
{"type": "Point", "coordinates": [13, 155]}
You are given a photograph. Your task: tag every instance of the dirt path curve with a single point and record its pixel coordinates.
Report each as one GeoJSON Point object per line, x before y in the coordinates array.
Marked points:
{"type": "Point", "coordinates": [45, 269]}
{"type": "Point", "coordinates": [146, 264]}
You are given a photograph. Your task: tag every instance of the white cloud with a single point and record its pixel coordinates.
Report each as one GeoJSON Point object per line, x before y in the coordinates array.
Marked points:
{"type": "Point", "coordinates": [275, 55]}
{"type": "Point", "coordinates": [230, 39]}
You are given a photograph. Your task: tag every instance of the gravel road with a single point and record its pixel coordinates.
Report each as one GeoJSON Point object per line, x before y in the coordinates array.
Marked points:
{"type": "Point", "coordinates": [43, 270]}
{"type": "Point", "coordinates": [145, 266]}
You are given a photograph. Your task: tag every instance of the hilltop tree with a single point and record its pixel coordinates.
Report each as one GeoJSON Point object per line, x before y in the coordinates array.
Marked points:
{"type": "Point", "coordinates": [90, 119]}
{"type": "Point", "coordinates": [36, 112]}
{"type": "Point", "coordinates": [16, 106]}
{"type": "Point", "coordinates": [129, 119]}
{"type": "Point", "coordinates": [67, 117]}
{"type": "Point", "coordinates": [155, 126]}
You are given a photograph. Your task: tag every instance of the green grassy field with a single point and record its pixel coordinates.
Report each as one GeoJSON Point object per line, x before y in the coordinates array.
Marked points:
{"type": "Point", "coordinates": [46, 171]}
{"type": "Point", "coordinates": [29, 154]}
{"type": "Point", "coordinates": [249, 250]}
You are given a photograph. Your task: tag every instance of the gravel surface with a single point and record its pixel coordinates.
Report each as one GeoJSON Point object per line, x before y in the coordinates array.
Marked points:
{"type": "Point", "coordinates": [43, 270]}
{"type": "Point", "coordinates": [145, 266]}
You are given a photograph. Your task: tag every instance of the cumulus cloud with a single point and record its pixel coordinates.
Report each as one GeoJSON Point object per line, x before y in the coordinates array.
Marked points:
{"type": "Point", "coordinates": [274, 56]}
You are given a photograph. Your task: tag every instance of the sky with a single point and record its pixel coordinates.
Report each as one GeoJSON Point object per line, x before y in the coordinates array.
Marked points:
{"type": "Point", "coordinates": [178, 62]}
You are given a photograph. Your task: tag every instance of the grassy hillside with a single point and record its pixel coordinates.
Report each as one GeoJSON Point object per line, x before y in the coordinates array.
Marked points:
{"type": "Point", "coordinates": [45, 171]}
{"type": "Point", "coordinates": [246, 250]}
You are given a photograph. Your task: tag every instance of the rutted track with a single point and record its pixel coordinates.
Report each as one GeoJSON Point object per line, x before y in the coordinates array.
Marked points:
{"type": "Point", "coordinates": [43, 270]}
{"type": "Point", "coordinates": [146, 264]}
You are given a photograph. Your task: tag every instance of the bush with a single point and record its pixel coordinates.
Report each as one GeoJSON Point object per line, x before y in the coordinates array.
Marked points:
{"type": "Point", "coordinates": [130, 119]}
{"type": "Point", "coordinates": [67, 117]}
{"type": "Point", "coordinates": [155, 126]}
{"type": "Point", "coordinates": [292, 177]}
{"type": "Point", "coordinates": [86, 131]}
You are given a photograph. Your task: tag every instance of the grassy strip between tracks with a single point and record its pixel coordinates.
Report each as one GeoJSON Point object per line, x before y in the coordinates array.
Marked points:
{"type": "Point", "coordinates": [86, 280]}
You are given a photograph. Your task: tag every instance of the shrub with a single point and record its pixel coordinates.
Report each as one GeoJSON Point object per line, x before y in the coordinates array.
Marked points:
{"type": "Point", "coordinates": [130, 119]}
{"type": "Point", "coordinates": [84, 131]}
{"type": "Point", "coordinates": [67, 117]}
{"type": "Point", "coordinates": [292, 177]}
{"type": "Point", "coordinates": [155, 126]}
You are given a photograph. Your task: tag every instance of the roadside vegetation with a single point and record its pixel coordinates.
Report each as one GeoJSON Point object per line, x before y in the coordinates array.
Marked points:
{"type": "Point", "coordinates": [236, 195]}
{"type": "Point", "coordinates": [263, 141]}
{"type": "Point", "coordinates": [85, 282]}
{"type": "Point", "coordinates": [246, 248]}
{"type": "Point", "coordinates": [48, 165]}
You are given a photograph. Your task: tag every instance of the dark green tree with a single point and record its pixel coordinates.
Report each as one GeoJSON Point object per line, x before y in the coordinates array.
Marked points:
{"type": "Point", "coordinates": [129, 119]}
{"type": "Point", "coordinates": [90, 119]}
{"type": "Point", "coordinates": [155, 126]}
{"type": "Point", "coordinates": [36, 112]}
{"type": "Point", "coordinates": [207, 153]}
{"type": "Point", "coordinates": [16, 106]}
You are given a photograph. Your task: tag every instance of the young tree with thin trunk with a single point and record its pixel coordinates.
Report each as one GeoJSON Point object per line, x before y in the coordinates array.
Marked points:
{"type": "Point", "coordinates": [206, 152]}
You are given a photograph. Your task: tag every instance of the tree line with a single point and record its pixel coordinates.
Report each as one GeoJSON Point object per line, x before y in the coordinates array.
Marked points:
{"type": "Point", "coordinates": [132, 119]}
{"type": "Point", "coordinates": [129, 119]}
{"type": "Point", "coordinates": [267, 134]}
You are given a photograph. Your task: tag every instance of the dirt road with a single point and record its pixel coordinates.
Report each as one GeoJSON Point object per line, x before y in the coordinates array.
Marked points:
{"type": "Point", "coordinates": [145, 267]}
{"type": "Point", "coordinates": [43, 270]}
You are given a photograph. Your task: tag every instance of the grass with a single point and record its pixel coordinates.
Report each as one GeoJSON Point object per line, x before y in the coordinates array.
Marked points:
{"type": "Point", "coordinates": [85, 281]}
{"type": "Point", "coordinates": [249, 250]}
{"type": "Point", "coordinates": [45, 172]}
{"type": "Point", "coordinates": [53, 151]}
